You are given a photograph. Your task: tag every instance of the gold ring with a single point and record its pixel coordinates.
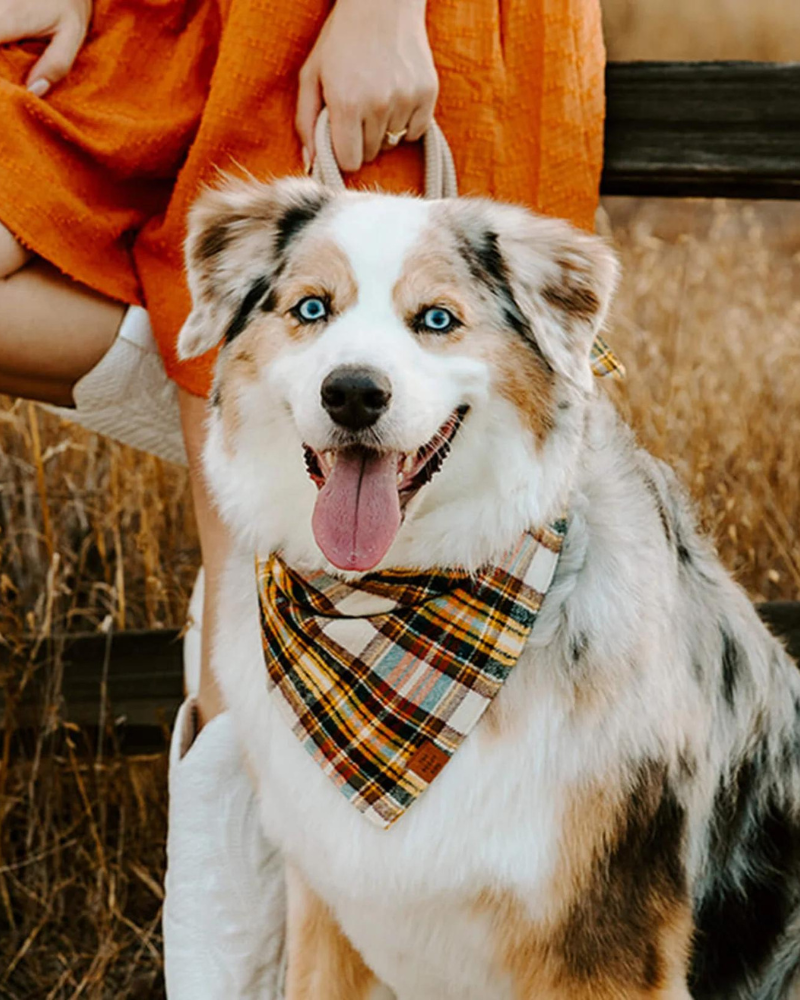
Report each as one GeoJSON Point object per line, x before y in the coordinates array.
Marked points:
{"type": "Point", "coordinates": [393, 139]}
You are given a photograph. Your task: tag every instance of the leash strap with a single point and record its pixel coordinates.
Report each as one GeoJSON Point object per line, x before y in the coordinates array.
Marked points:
{"type": "Point", "coordinates": [440, 169]}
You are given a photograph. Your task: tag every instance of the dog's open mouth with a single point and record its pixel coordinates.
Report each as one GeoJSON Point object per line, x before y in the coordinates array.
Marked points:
{"type": "Point", "coordinates": [363, 494]}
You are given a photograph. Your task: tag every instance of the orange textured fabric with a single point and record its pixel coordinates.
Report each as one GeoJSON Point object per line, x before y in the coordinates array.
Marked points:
{"type": "Point", "coordinates": [98, 176]}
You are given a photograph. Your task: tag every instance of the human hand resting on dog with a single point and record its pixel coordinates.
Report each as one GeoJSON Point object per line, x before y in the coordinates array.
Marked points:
{"type": "Point", "coordinates": [373, 68]}
{"type": "Point", "coordinates": [65, 23]}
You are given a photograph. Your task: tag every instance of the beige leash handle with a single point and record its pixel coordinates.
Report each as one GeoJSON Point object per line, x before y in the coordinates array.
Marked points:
{"type": "Point", "coordinates": [440, 170]}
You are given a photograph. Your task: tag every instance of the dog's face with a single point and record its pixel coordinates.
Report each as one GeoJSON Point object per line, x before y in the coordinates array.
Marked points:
{"type": "Point", "coordinates": [396, 375]}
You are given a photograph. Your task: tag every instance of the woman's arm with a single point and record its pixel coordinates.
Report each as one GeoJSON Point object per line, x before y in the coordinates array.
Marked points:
{"type": "Point", "coordinates": [372, 66]}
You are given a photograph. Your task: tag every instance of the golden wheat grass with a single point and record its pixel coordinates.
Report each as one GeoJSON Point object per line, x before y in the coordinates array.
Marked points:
{"type": "Point", "coordinates": [766, 30]}
{"type": "Point", "coordinates": [92, 535]}
{"type": "Point", "coordinates": [708, 323]}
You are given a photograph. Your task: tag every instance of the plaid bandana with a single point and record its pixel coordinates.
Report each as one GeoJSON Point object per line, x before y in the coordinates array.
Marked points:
{"type": "Point", "coordinates": [382, 679]}
{"type": "Point", "coordinates": [604, 361]}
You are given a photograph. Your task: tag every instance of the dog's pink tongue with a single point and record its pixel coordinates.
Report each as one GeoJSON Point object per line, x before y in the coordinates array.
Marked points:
{"type": "Point", "coordinates": [357, 513]}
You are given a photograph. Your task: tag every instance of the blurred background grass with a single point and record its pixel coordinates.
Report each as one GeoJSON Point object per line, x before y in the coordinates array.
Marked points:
{"type": "Point", "coordinates": [94, 536]}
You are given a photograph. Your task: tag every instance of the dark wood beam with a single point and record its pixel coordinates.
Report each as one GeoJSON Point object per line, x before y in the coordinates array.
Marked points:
{"type": "Point", "coordinates": [144, 678]}
{"type": "Point", "coordinates": [703, 129]}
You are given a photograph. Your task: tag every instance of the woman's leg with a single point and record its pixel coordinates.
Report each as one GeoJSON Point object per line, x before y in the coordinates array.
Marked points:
{"type": "Point", "coordinates": [221, 870]}
{"type": "Point", "coordinates": [214, 544]}
{"type": "Point", "coordinates": [52, 332]}
{"type": "Point", "coordinates": [13, 255]}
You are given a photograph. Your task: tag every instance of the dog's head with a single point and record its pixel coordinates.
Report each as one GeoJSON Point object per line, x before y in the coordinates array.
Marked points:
{"type": "Point", "coordinates": [400, 381]}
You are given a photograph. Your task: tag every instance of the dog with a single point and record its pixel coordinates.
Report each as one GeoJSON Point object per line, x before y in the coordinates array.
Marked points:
{"type": "Point", "coordinates": [405, 385]}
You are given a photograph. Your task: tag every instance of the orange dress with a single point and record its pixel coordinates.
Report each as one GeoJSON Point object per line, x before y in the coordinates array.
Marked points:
{"type": "Point", "coordinates": [97, 177]}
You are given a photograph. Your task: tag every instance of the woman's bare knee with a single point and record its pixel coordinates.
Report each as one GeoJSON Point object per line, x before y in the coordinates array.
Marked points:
{"type": "Point", "coordinates": [214, 544]}
{"type": "Point", "coordinates": [52, 331]}
{"type": "Point", "coordinates": [13, 255]}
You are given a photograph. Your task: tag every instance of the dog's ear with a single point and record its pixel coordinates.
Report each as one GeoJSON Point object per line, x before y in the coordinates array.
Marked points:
{"type": "Point", "coordinates": [238, 237]}
{"type": "Point", "coordinates": [554, 282]}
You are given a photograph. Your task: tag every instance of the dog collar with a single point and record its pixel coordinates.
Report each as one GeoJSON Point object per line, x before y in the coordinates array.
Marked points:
{"type": "Point", "coordinates": [382, 679]}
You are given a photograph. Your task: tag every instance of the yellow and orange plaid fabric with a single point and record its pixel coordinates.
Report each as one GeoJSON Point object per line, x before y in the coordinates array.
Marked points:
{"type": "Point", "coordinates": [604, 361]}
{"type": "Point", "coordinates": [382, 679]}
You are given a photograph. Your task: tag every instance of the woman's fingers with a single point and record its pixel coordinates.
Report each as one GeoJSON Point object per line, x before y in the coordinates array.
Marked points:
{"type": "Point", "coordinates": [420, 120]}
{"type": "Point", "coordinates": [58, 57]}
{"type": "Point", "coordinates": [347, 134]}
{"type": "Point", "coordinates": [374, 69]}
{"type": "Point", "coordinates": [393, 121]}
{"type": "Point", "coordinates": [376, 122]}
{"type": "Point", "coordinates": [309, 105]}
{"type": "Point", "coordinates": [64, 22]}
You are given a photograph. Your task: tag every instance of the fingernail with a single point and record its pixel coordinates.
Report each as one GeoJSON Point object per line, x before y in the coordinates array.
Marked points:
{"type": "Point", "coordinates": [39, 87]}
{"type": "Point", "coordinates": [306, 162]}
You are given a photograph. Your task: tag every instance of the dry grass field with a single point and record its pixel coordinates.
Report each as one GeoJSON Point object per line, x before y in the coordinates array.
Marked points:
{"type": "Point", "coordinates": [766, 30]}
{"type": "Point", "coordinates": [94, 536]}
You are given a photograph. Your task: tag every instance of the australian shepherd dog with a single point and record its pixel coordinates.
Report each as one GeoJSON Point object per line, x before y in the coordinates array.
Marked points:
{"type": "Point", "coordinates": [407, 385]}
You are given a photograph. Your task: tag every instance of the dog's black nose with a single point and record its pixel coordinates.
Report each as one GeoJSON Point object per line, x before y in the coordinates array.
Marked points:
{"type": "Point", "coordinates": [356, 397]}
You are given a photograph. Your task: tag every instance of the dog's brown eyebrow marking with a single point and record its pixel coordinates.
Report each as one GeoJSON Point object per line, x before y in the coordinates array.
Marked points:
{"type": "Point", "coordinates": [486, 263]}
{"type": "Point", "coordinates": [291, 222]}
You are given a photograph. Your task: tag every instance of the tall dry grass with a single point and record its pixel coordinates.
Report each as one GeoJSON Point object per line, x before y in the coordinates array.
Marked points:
{"type": "Point", "coordinates": [92, 536]}
{"type": "Point", "coordinates": [708, 323]}
{"type": "Point", "coordinates": [110, 529]}
{"type": "Point", "coordinates": [767, 30]}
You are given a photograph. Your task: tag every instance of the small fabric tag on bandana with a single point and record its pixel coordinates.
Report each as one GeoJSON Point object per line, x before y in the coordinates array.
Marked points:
{"type": "Point", "coordinates": [604, 361]}
{"type": "Point", "coordinates": [382, 679]}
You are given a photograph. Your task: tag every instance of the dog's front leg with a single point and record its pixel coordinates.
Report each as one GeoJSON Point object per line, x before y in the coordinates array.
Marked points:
{"type": "Point", "coordinates": [322, 963]}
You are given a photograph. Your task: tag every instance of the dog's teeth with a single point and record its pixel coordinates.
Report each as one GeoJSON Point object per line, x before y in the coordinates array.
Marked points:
{"type": "Point", "coordinates": [408, 464]}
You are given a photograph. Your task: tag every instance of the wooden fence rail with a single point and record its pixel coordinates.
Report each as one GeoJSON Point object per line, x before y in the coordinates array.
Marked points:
{"type": "Point", "coordinates": [703, 129]}
{"type": "Point", "coordinates": [136, 678]}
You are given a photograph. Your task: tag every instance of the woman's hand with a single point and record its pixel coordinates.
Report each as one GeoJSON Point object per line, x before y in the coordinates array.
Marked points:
{"type": "Point", "coordinates": [64, 22]}
{"type": "Point", "coordinates": [372, 66]}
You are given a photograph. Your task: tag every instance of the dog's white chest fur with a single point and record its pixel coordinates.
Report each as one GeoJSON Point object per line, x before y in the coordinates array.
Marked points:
{"type": "Point", "coordinates": [411, 895]}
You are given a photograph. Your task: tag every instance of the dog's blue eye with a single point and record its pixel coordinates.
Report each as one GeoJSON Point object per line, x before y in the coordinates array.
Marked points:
{"type": "Point", "coordinates": [438, 320]}
{"type": "Point", "coordinates": [311, 309]}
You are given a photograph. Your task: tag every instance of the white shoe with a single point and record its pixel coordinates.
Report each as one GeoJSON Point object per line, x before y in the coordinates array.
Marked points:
{"type": "Point", "coordinates": [128, 396]}
{"type": "Point", "coordinates": [225, 907]}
